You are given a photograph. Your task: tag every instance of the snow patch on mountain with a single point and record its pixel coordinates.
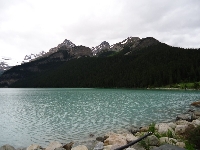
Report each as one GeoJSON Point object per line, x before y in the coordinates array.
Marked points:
{"type": "Point", "coordinates": [103, 46]}
{"type": "Point", "coordinates": [4, 65]}
{"type": "Point", "coordinates": [32, 57]}
{"type": "Point", "coordinates": [115, 47]}
{"type": "Point", "coordinates": [65, 44]}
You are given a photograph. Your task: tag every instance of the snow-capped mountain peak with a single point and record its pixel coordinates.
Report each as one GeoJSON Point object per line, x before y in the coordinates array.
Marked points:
{"type": "Point", "coordinates": [103, 46]}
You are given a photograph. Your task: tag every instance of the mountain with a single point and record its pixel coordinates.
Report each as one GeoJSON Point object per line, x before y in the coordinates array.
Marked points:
{"type": "Point", "coordinates": [66, 44]}
{"type": "Point", "coordinates": [132, 63]}
{"type": "Point", "coordinates": [44, 63]}
{"type": "Point", "coordinates": [3, 67]}
{"type": "Point", "coordinates": [103, 46]}
{"type": "Point", "coordinates": [131, 42]}
{"type": "Point", "coordinates": [33, 57]}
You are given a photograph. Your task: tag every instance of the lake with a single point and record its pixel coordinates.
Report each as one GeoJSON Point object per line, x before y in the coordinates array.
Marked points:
{"type": "Point", "coordinates": [36, 115]}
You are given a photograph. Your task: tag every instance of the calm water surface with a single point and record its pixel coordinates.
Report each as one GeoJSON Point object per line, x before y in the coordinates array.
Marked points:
{"type": "Point", "coordinates": [30, 116]}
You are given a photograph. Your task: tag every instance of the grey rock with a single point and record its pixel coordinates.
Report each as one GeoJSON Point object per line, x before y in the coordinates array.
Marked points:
{"type": "Point", "coordinates": [137, 146]}
{"type": "Point", "coordinates": [180, 129]}
{"type": "Point", "coordinates": [101, 139]}
{"type": "Point", "coordinates": [168, 147]}
{"type": "Point", "coordinates": [53, 145]}
{"type": "Point", "coordinates": [152, 140]}
{"type": "Point", "coordinates": [187, 117]}
{"type": "Point", "coordinates": [133, 130]}
{"type": "Point", "coordinates": [80, 147]}
{"type": "Point", "coordinates": [113, 147]}
{"type": "Point", "coordinates": [33, 147]}
{"type": "Point", "coordinates": [7, 147]}
{"type": "Point", "coordinates": [99, 146]}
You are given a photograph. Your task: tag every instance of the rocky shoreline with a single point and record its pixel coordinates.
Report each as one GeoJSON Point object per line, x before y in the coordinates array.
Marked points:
{"type": "Point", "coordinates": [170, 133]}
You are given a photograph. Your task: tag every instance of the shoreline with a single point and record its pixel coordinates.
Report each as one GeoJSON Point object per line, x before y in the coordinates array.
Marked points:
{"type": "Point", "coordinates": [189, 116]}
{"type": "Point", "coordinates": [130, 134]}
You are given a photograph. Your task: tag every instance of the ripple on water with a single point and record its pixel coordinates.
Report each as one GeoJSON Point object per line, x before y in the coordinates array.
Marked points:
{"type": "Point", "coordinates": [41, 115]}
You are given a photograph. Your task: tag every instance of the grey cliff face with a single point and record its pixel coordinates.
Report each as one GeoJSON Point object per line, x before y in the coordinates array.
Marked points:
{"type": "Point", "coordinates": [80, 51]}
{"type": "Point", "coordinates": [65, 44]}
{"type": "Point", "coordinates": [130, 41]}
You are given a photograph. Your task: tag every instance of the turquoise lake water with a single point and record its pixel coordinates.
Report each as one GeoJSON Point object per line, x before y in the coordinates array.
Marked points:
{"type": "Point", "coordinates": [30, 116]}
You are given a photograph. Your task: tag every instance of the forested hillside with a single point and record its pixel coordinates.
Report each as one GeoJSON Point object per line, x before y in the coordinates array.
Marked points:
{"type": "Point", "coordinates": [153, 66]}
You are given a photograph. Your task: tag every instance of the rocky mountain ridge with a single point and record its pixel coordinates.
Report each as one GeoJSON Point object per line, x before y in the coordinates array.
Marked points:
{"type": "Point", "coordinates": [67, 44]}
{"type": "Point", "coordinates": [3, 67]}
{"type": "Point", "coordinates": [67, 51]}
{"type": "Point", "coordinates": [80, 51]}
{"type": "Point", "coordinates": [134, 63]}
{"type": "Point", "coordinates": [133, 42]}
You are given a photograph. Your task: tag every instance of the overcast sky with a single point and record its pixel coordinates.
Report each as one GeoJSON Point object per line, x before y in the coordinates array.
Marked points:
{"type": "Point", "coordinates": [31, 26]}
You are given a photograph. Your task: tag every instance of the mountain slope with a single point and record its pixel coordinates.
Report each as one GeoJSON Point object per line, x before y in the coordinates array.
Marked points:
{"type": "Point", "coordinates": [43, 64]}
{"type": "Point", "coordinates": [147, 65]}
{"type": "Point", "coordinates": [3, 67]}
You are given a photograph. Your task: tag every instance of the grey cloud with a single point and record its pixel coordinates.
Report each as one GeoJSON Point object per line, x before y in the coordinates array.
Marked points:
{"type": "Point", "coordinates": [175, 22]}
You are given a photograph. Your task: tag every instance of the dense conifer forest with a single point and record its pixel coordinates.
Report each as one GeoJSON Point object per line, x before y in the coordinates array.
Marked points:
{"type": "Point", "coordinates": [153, 66]}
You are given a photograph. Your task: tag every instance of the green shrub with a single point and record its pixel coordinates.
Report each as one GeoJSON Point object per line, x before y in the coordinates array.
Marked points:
{"type": "Point", "coordinates": [145, 145]}
{"type": "Point", "coordinates": [193, 137]}
{"type": "Point", "coordinates": [189, 146]}
{"type": "Point", "coordinates": [152, 128]}
{"type": "Point", "coordinates": [170, 134]}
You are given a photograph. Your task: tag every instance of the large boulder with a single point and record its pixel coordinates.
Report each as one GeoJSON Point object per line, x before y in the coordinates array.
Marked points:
{"type": "Point", "coordinates": [113, 147]}
{"type": "Point", "coordinates": [80, 147]}
{"type": "Point", "coordinates": [152, 140]}
{"type": "Point", "coordinates": [180, 144]}
{"type": "Point", "coordinates": [33, 147]}
{"type": "Point", "coordinates": [133, 130]}
{"type": "Point", "coordinates": [144, 129]}
{"type": "Point", "coordinates": [182, 122]}
{"type": "Point", "coordinates": [99, 146]}
{"type": "Point", "coordinates": [7, 147]}
{"type": "Point", "coordinates": [108, 147]}
{"type": "Point", "coordinates": [196, 123]}
{"type": "Point", "coordinates": [172, 125]}
{"type": "Point", "coordinates": [164, 140]}
{"type": "Point", "coordinates": [164, 128]}
{"type": "Point", "coordinates": [180, 129]}
{"type": "Point", "coordinates": [137, 146]}
{"type": "Point", "coordinates": [130, 137]}
{"type": "Point", "coordinates": [115, 139]}
{"type": "Point", "coordinates": [53, 145]}
{"type": "Point", "coordinates": [187, 117]}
